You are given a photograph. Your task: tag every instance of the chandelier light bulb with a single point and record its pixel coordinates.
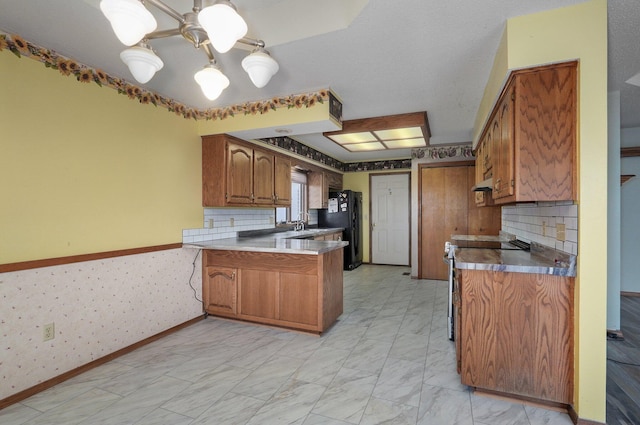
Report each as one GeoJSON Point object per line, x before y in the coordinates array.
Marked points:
{"type": "Point", "coordinates": [261, 67]}
{"type": "Point", "coordinates": [212, 81]}
{"type": "Point", "coordinates": [130, 20]}
{"type": "Point", "coordinates": [142, 62]}
{"type": "Point", "coordinates": [223, 25]}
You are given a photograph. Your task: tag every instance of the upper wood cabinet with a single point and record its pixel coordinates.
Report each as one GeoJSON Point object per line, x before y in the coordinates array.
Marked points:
{"type": "Point", "coordinates": [530, 138]}
{"type": "Point", "coordinates": [320, 182]}
{"type": "Point", "coordinates": [237, 173]}
{"type": "Point", "coordinates": [282, 182]}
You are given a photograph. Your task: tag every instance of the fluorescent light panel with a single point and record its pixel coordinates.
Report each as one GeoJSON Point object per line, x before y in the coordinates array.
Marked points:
{"type": "Point", "coordinates": [403, 131]}
{"type": "Point", "coordinates": [405, 143]}
{"type": "Point", "coordinates": [364, 147]}
{"type": "Point", "coordinates": [399, 133]}
{"type": "Point", "coordinates": [362, 137]}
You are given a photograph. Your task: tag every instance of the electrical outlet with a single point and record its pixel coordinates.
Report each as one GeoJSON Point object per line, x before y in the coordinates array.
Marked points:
{"type": "Point", "coordinates": [210, 223]}
{"type": "Point", "coordinates": [48, 332]}
{"type": "Point", "coordinates": [272, 220]}
{"type": "Point", "coordinates": [544, 228]}
{"type": "Point", "coordinates": [560, 231]}
{"type": "Point", "coordinates": [231, 222]}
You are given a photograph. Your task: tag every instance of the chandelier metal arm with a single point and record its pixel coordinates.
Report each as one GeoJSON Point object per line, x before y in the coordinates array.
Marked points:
{"type": "Point", "coordinates": [252, 42]}
{"type": "Point", "coordinates": [208, 49]}
{"type": "Point", "coordinates": [218, 27]}
{"type": "Point", "coordinates": [163, 34]}
{"type": "Point", "coordinates": [167, 9]}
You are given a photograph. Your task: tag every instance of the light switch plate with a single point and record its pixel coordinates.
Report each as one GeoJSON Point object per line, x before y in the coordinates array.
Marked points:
{"type": "Point", "coordinates": [560, 231]}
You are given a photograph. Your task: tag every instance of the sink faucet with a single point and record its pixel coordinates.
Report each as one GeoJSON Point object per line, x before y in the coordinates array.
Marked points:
{"type": "Point", "coordinates": [300, 222]}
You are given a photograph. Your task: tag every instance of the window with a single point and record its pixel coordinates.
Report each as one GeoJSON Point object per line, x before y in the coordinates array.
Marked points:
{"type": "Point", "coordinates": [299, 202]}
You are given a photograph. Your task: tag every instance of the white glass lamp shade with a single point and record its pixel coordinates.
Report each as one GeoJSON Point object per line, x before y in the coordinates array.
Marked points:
{"type": "Point", "coordinates": [223, 25]}
{"type": "Point", "coordinates": [142, 63]}
{"type": "Point", "coordinates": [261, 67]}
{"type": "Point", "coordinates": [211, 81]}
{"type": "Point", "coordinates": [130, 20]}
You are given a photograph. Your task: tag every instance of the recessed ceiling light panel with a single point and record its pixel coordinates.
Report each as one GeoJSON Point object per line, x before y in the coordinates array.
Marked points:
{"type": "Point", "coordinates": [361, 137]}
{"type": "Point", "coordinates": [418, 142]}
{"type": "Point", "coordinates": [388, 132]}
{"type": "Point", "coordinates": [399, 133]}
{"type": "Point", "coordinates": [364, 147]}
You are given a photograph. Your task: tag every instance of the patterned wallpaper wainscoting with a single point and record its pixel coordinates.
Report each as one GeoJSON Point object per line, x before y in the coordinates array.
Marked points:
{"type": "Point", "coordinates": [98, 307]}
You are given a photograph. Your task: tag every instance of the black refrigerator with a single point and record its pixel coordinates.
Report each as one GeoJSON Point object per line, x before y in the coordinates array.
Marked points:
{"type": "Point", "coordinates": [345, 210]}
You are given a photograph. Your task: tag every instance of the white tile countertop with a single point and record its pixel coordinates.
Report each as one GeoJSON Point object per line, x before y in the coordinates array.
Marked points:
{"type": "Point", "coordinates": [290, 242]}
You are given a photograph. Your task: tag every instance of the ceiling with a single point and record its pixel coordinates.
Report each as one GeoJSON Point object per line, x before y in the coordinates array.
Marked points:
{"type": "Point", "coordinates": [380, 57]}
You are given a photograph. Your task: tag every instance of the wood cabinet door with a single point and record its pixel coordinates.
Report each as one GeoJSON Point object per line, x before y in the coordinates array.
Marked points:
{"type": "Point", "coordinates": [545, 124]}
{"type": "Point", "coordinates": [318, 190]}
{"type": "Point", "coordinates": [298, 298]}
{"type": "Point", "coordinates": [334, 181]}
{"type": "Point", "coordinates": [282, 183]}
{"type": "Point", "coordinates": [263, 175]}
{"type": "Point", "coordinates": [219, 290]}
{"type": "Point", "coordinates": [504, 147]}
{"type": "Point", "coordinates": [516, 334]}
{"type": "Point", "coordinates": [443, 212]}
{"type": "Point", "coordinates": [258, 294]}
{"type": "Point", "coordinates": [239, 174]}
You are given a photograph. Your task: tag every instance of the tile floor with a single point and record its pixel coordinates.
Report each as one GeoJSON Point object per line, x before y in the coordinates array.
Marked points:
{"type": "Point", "coordinates": [386, 361]}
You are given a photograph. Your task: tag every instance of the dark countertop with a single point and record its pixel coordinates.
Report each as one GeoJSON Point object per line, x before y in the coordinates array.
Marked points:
{"type": "Point", "coordinates": [540, 259]}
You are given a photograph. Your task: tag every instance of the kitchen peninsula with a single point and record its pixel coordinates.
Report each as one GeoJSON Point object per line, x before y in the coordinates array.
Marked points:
{"type": "Point", "coordinates": [289, 279]}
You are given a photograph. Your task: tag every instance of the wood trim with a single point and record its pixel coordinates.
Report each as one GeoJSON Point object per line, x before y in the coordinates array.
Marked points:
{"type": "Point", "coordinates": [629, 294]}
{"type": "Point", "coordinates": [625, 178]}
{"type": "Point", "coordinates": [48, 262]}
{"type": "Point", "coordinates": [24, 394]}
{"type": "Point", "coordinates": [630, 151]}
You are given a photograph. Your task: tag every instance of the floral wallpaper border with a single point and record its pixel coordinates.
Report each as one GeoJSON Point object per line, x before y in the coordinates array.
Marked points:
{"type": "Point", "coordinates": [439, 152]}
{"type": "Point", "coordinates": [84, 74]}
{"type": "Point", "coordinates": [442, 152]}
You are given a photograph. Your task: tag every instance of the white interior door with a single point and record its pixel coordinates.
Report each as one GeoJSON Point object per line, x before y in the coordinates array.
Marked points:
{"type": "Point", "coordinates": [390, 220]}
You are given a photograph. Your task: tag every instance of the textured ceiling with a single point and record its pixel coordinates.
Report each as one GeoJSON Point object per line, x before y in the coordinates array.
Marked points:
{"type": "Point", "coordinates": [381, 57]}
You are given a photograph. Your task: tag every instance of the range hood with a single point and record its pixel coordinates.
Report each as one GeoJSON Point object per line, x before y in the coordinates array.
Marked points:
{"type": "Point", "coordinates": [484, 186]}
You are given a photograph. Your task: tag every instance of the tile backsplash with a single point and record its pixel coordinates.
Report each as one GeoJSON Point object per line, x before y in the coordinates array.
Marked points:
{"type": "Point", "coordinates": [537, 222]}
{"type": "Point", "coordinates": [221, 223]}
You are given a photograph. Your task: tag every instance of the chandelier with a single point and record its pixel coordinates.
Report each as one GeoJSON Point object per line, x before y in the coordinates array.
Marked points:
{"type": "Point", "coordinates": [218, 26]}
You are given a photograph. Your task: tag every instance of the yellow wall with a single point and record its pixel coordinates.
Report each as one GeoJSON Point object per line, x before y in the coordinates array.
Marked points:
{"type": "Point", "coordinates": [578, 32]}
{"type": "Point", "coordinates": [359, 182]}
{"type": "Point", "coordinates": [84, 169]}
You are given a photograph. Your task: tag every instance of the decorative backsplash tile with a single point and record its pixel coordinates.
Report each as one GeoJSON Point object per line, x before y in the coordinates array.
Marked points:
{"type": "Point", "coordinates": [537, 222]}
{"type": "Point", "coordinates": [98, 307]}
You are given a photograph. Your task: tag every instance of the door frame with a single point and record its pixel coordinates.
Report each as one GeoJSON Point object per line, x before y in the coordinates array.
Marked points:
{"type": "Point", "coordinates": [419, 177]}
{"type": "Point", "coordinates": [371, 175]}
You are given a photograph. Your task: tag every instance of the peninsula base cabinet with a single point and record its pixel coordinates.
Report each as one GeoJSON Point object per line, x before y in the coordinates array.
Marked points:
{"type": "Point", "coordinates": [298, 291]}
{"type": "Point", "coordinates": [515, 334]}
